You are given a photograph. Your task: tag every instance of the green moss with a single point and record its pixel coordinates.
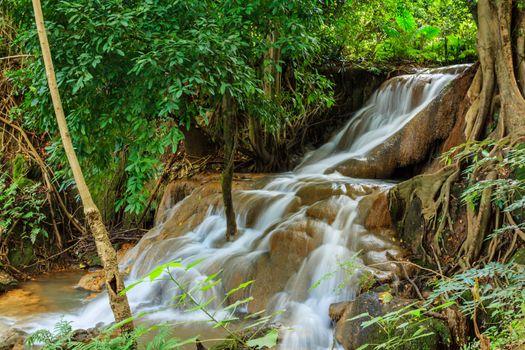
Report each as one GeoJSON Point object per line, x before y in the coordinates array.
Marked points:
{"type": "Point", "coordinates": [519, 256]}
{"type": "Point", "coordinates": [21, 255]}
{"type": "Point", "coordinates": [91, 259]}
{"type": "Point", "coordinates": [20, 168]}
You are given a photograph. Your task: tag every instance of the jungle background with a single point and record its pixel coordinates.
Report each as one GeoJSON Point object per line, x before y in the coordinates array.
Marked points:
{"type": "Point", "coordinates": [157, 92]}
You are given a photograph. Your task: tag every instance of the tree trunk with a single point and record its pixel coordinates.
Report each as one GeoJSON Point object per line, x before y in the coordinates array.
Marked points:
{"type": "Point", "coordinates": [230, 134]}
{"type": "Point", "coordinates": [495, 95]}
{"type": "Point", "coordinates": [114, 281]}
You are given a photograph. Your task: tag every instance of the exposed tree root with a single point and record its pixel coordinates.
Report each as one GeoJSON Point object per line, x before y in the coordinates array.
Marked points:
{"type": "Point", "coordinates": [495, 98]}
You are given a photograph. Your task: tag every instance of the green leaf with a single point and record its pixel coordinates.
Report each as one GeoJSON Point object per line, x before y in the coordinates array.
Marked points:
{"type": "Point", "coordinates": [363, 347]}
{"type": "Point", "coordinates": [406, 21]}
{"type": "Point", "coordinates": [241, 286]}
{"type": "Point", "coordinates": [429, 32]}
{"type": "Point", "coordinates": [237, 303]}
{"type": "Point", "coordinates": [269, 340]}
{"type": "Point", "coordinates": [195, 263]}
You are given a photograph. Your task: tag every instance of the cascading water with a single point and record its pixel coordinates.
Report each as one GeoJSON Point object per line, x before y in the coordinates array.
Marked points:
{"type": "Point", "coordinates": [294, 230]}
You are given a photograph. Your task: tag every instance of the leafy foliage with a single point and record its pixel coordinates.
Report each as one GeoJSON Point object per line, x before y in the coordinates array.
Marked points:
{"type": "Point", "coordinates": [402, 327]}
{"type": "Point", "coordinates": [508, 189]}
{"type": "Point", "coordinates": [52, 340]}
{"type": "Point", "coordinates": [63, 338]}
{"type": "Point", "coordinates": [200, 295]}
{"type": "Point", "coordinates": [21, 205]}
{"type": "Point", "coordinates": [497, 290]}
{"type": "Point", "coordinates": [163, 66]}
{"type": "Point", "coordinates": [392, 30]}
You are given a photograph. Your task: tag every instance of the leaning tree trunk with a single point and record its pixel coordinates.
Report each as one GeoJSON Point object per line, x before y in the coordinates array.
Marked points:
{"type": "Point", "coordinates": [114, 281]}
{"type": "Point", "coordinates": [230, 135]}
{"type": "Point", "coordinates": [496, 95]}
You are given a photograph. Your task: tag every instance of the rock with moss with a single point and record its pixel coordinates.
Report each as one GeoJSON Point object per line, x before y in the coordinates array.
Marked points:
{"type": "Point", "coordinates": [21, 255]}
{"type": "Point", "coordinates": [20, 170]}
{"type": "Point", "coordinates": [403, 333]}
{"type": "Point", "coordinates": [6, 281]}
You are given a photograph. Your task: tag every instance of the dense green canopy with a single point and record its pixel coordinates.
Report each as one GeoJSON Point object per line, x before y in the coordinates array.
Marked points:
{"type": "Point", "coordinates": [134, 73]}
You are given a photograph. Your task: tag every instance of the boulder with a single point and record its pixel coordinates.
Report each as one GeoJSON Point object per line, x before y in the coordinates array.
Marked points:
{"type": "Point", "coordinates": [407, 150]}
{"type": "Point", "coordinates": [379, 216]}
{"type": "Point", "coordinates": [351, 334]}
{"type": "Point", "coordinates": [325, 210]}
{"type": "Point", "coordinates": [85, 335]}
{"type": "Point", "coordinates": [12, 339]}
{"type": "Point", "coordinates": [93, 281]}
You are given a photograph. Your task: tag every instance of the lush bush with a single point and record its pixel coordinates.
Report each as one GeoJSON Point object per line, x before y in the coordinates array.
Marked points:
{"type": "Point", "coordinates": [494, 298]}
{"type": "Point", "coordinates": [22, 204]}
{"type": "Point", "coordinates": [435, 31]}
{"type": "Point", "coordinates": [134, 74]}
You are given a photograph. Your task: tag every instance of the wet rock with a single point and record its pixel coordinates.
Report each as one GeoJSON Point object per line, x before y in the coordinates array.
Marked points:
{"type": "Point", "coordinates": [378, 216]}
{"type": "Point", "coordinates": [288, 248]}
{"type": "Point", "coordinates": [351, 335]}
{"type": "Point", "coordinates": [174, 193]}
{"type": "Point", "coordinates": [6, 281]}
{"type": "Point", "coordinates": [250, 205]}
{"type": "Point", "coordinates": [123, 250]}
{"type": "Point", "coordinates": [372, 242]}
{"type": "Point", "coordinates": [84, 335]}
{"type": "Point", "coordinates": [314, 191]}
{"type": "Point", "coordinates": [92, 281]}
{"type": "Point", "coordinates": [12, 339]}
{"type": "Point", "coordinates": [381, 259]}
{"type": "Point", "coordinates": [202, 193]}
{"type": "Point", "coordinates": [336, 310]}
{"type": "Point", "coordinates": [325, 210]}
{"type": "Point", "coordinates": [411, 145]}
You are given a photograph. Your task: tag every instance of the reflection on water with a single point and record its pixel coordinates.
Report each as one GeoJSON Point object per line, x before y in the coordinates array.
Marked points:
{"type": "Point", "coordinates": [56, 294]}
{"type": "Point", "coordinates": [50, 293]}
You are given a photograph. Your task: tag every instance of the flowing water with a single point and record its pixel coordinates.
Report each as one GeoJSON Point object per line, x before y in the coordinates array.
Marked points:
{"type": "Point", "coordinates": [302, 234]}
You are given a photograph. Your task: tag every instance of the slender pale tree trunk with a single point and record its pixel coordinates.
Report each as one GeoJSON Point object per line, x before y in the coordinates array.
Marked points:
{"type": "Point", "coordinates": [114, 281]}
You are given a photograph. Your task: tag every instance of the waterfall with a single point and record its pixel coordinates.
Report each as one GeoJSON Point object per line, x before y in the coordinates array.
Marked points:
{"type": "Point", "coordinates": [295, 229]}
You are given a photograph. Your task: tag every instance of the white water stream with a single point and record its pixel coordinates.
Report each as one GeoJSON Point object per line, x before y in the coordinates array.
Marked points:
{"type": "Point", "coordinates": [277, 206]}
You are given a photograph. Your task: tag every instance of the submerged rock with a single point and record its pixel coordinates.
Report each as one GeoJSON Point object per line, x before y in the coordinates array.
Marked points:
{"type": "Point", "coordinates": [351, 334]}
